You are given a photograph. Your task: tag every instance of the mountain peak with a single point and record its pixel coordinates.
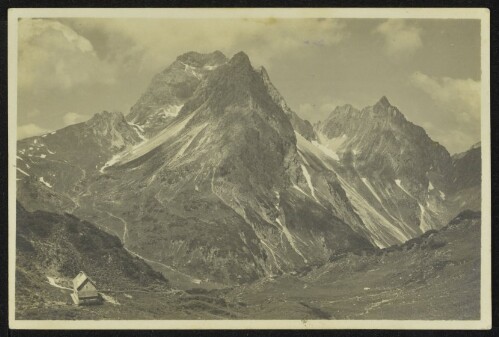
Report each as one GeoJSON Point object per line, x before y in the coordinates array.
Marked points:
{"type": "Point", "coordinates": [384, 108]}
{"type": "Point", "coordinates": [198, 59]}
{"type": "Point", "coordinates": [113, 115]}
{"type": "Point", "coordinates": [264, 73]}
{"type": "Point", "coordinates": [240, 58]}
{"type": "Point", "coordinates": [341, 110]}
{"type": "Point", "coordinates": [106, 119]}
{"type": "Point", "coordinates": [345, 108]}
{"type": "Point", "coordinates": [383, 102]}
{"type": "Point", "coordinates": [218, 53]}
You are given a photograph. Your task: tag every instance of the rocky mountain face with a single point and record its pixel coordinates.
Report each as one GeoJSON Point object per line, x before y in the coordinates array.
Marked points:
{"type": "Point", "coordinates": [213, 176]}
{"type": "Point", "coordinates": [303, 127]}
{"type": "Point", "coordinates": [399, 180]}
{"type": "Point", "coordinates": [465, 173]}
{"type": "Point", "coordinates": [170, 89]}
{"type": "Point", "coordinates": [218, 193]}
{"type": "Point", "coordinates": [54, 167]}
{"type": "Point", "coordinates": [467, 179]}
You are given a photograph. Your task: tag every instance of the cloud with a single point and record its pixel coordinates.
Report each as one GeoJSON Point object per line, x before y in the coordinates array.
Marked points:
{"type": "Point", "coordinates": [33, 113]}
{"type": "Point", "coordinates": [400, 38]}
{"type": "Point", "coordinates": [458, 103]}
{"type": "Point", "coordinates": [461, 96]}
{"type": "Point", "coordinates": [53, 56]}
{"type": "Point", "coordinates": [71, 64]}
{"type": "Point", "coordinates": [266, 41]}
{"type": "Point", "coordinates": [152, 41]}
{"type": "Point", "coordinates": [29, 130]}
{"type": "Point", "coordinates": [73, 118]}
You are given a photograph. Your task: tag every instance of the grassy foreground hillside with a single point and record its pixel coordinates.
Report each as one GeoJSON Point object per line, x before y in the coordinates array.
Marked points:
{"type": "Point", "coordinates": [436, 276]}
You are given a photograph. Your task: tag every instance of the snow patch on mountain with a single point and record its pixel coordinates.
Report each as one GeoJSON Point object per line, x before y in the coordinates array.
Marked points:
{"type": "Point", "coordinates": [192, 70]}
{"type": "Point", "coordinates": [147, 145]}
{"type": "Point", "coordinates": [399, 184]}
{"type": "Point", "coordinates": [373, 191]}
{"type": "Point", "coordinates": [315, 148]}
{"type": "Point", "coordinates": [290, 239]}
{"type": "Point", "coordinates": [208, 67]}
{"type": "Point", "coordinates": [299, 189]}
{"type": "Point", "coordinates": [169, 111]}
{"type": "Point", "coordinates": [191, 136]}
{"type": "Point", "coordinates": [22, 172]}
{"type": "Point", "coordinates": [380, 227]}
{"type": "Point", "coordinates": [334, 144]}
{"type": "Point", "coordinates": [138, 129]}
{"type": "Point", "coordinates": [114, 159]}
{"type": "Point", "coordinates": [44, 182]}
{"type": "Point", "coordinates": [278, 202]}
{"type": "Point", "coordinates": [326, 150]}
{"type": "Point", "coordinates": [303, 157]}
{"type": "Point", "coordinates": [372, 217]}
{"type": "Point", "coordinates": [309, 181]}
{"type": "Point", "coordinates": [370, 187]}
{"type": "Point", "coordinates": [423, 225]}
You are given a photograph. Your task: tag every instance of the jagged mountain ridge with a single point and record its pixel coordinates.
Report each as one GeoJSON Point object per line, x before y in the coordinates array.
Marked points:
{"type": "Point", "coordinates": [382, 131]}
{"type": "Point", "coordinates": [467, 179]}
{"type": "Point", "coordinates": [171, 88]}
{"type": "Point", "coordinates": [301, 126]}
{"type": "Point", "coordinates": [395, 174]}
{"type": "Point", "coordinates": [464, 174]}
{"type": "Point", "coordinates": [232, 186]}
{"type": "Point", "coordinates": [219, 191]}
{"type": "Point", "coordinates": [55, 166]}
{"type": "Point", "coordinates": [249, 175]}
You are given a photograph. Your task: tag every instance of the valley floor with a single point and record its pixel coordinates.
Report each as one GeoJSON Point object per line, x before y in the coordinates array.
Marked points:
{"type": "Point", "coordinates": [434, 277]}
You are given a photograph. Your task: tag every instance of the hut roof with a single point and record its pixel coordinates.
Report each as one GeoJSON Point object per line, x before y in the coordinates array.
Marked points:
{"type": "Point", "coordinates": [80, 280]}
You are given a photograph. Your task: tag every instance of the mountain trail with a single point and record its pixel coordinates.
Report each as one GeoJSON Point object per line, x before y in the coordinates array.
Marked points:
{"type": "Point", "coordinates": [53, 283]}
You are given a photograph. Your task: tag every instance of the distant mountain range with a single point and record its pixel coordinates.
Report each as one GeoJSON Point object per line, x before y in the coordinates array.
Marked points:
{"type": "Point", "coordinates": [213, 175]}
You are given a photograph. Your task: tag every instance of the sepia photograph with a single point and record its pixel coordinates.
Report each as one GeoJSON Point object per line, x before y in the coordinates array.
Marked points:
{"type": "Point", "coordinates": [249, 168]}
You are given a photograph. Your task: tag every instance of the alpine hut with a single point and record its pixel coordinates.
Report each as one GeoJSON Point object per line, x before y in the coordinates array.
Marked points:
{"type": "Point", "coordinates": [84, 290]}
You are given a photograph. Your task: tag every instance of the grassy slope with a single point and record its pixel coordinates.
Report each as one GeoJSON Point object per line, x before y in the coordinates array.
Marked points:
{"type": "Point", "coordinates": [59, 246]}
{"type": "Point", "coordinates": [436, 276]}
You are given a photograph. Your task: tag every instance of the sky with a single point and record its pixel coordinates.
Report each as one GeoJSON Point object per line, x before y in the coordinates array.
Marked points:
{"type": "Point", "coordinates": [70, 69]}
